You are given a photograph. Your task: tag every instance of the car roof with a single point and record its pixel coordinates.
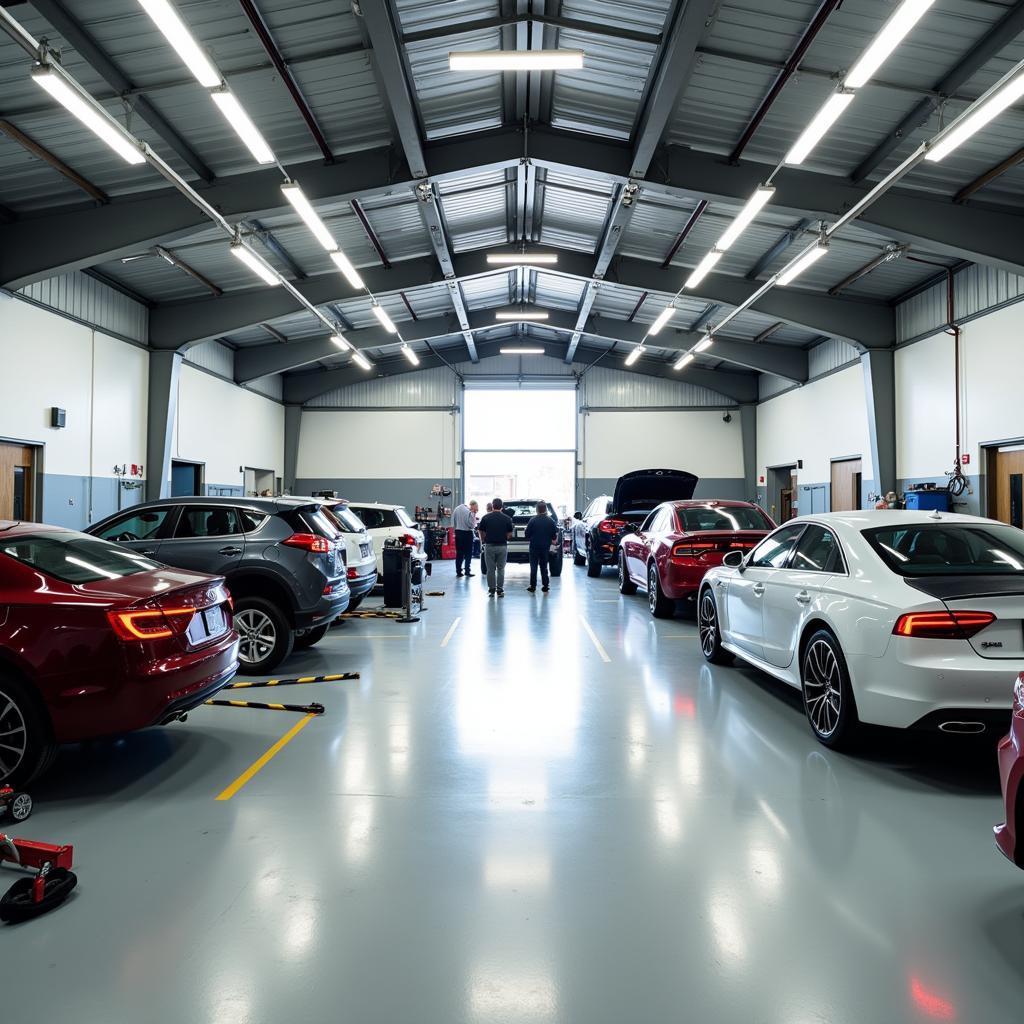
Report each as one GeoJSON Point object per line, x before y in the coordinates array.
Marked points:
{"type": "Point", "coordinates": [866, 519]}
{"type": "Point", "coordinates": [19, 527]}
{"type": "Point", "coordinates": [262, 504]}
{"type": "Point", "coordinates": [713, 503]}
{"type": "Point", "coordinates": [372, 504]}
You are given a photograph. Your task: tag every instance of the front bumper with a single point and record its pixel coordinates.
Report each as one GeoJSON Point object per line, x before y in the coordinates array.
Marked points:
{"type": "Point", "coordinates": [1011, 775]}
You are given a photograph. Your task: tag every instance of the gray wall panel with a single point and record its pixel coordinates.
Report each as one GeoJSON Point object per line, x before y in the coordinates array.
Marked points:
{"type": "Point", "coordinates": [409, 493]}
{"type": "Point", "coordinates": [90, 301]}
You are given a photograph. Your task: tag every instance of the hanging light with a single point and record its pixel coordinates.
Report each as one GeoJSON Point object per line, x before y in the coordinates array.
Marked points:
{"type": "Point", "coordinates": [515, 60]}
{"type": "Point", "coordinates": [304, 208]}
{"type": "Point", "coordinates": [742, 220]}
{"type": "Point", "coordinates": [255, 263]}
{"type": "Point", "coordinates": [684, 360]}
{"type": "Point", "coordinates": [167, 19]}
{"type": "Point", "coordinates": [802, 262]}
{"type": "Point", "coordinates": [386, 322]}
{"type": "Point", "coordinates": [345, 266]}
{"type": "Point", "coordinates": [893, 32]}
{"type": "Point", "coordinates": [338, 340]}
{"type": "Point", "coordinates": [634, 355]}
{"type": "Point", "coordinates": [410, 355]}
{"type": "Point", "coordinates": [704, 344]}
{"type": "Point", "coordinates": [243, 125]}
{"type": "Point", "coordinates": [703, 268]}
{"type": "Point", "coordinates": [360, 360]}
{"type": "Point", "coordinates": [512, 259]}
{"type": "Point", "coordinates": [820, 124]}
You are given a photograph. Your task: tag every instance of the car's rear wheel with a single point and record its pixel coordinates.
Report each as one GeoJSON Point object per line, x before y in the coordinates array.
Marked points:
{"type": "Point", "coordinates": [828, 696]}
{"type": "Point", "coordinates": [266, 637]}
{"type": "Point", "coordinates": [626, 585]}
{"type": "Point", "coordinates": [709, 632]}
{"type": "Point", "coordinates": [355, 603]}
{"type": "Point", "coordinates": [307, 637]}
{"type": "Point", "coordinates": [593, 562]}
{"type": "Point", "coordinates": [26, 749]}
{"type": "Point", "coordinates": [662, 607]}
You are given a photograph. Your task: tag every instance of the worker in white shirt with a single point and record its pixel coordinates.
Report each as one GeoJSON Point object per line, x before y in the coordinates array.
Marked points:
{"type": "Point", "coordinates": [464, 522]}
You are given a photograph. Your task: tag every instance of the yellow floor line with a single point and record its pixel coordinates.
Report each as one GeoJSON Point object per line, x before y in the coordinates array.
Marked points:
{"type": "Point", "coordinates": [266, 758]}
{"type": "Point", "coordinates": [596, 642]}
{"type": "Point", "coordinates": [448, 635]}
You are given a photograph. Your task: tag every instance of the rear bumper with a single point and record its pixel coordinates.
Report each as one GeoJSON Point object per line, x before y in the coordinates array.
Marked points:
{"type": "Point", "coordinates": [519, 551]}
{"type": "Point", "coordinates": [1011, 776]}
{"type": "Point", "coordinates": [682, 581]}
{"type": "Point", "coordinates": [328, 608]}
{"type": "Point", "coordinates": [363, 584]}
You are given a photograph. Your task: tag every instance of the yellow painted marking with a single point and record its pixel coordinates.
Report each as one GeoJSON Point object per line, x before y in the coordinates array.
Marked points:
{"type": "Point", "coordinates": [451, 631]}
{"type": "Point", "coordinates": [265, 759]}
{"type": "Point", "coordinates": [595, 641]}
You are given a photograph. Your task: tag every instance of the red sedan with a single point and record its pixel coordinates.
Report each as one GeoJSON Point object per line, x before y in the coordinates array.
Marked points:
{"type": "Point", "coordinates": [1011, 775]}
{"type": "Point", "coordinates": [679, 541]}
{"type": "Point", "coordinates": [97, 640]}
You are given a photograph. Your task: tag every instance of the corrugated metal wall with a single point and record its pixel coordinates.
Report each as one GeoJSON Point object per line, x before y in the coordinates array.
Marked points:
{"type": "Point", "coordinates": [830, 355]}
{"type": "Point", "coordinates": [213, 356]}
{"type": "Point", "coordinates": [93, 303]}
{"type": "Point", "coordinates": [615, 389]}
{"type": "Point", "coordinates": [426, 388]}
{"type": "Point", "coordinates": [977, 289]}
{"type": "Point", "coordinates": [272, 387]}
{"type": "Point", "coordinates": [768, 384]}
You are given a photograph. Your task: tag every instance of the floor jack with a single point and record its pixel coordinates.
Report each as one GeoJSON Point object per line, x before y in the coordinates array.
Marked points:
{"type": "Point", "coordinates": [50, 887]}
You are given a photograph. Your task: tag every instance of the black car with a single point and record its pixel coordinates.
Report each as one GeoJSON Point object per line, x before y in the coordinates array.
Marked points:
{"type": "Point", "coordinates": [607, 519]}
{"type": "Point", "coordinates": [283, 559]}
{"type": "Point", "coordinates": [521, 511]}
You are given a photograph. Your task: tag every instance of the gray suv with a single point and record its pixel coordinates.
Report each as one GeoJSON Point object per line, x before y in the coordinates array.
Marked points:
{"type": "Point", "coordinates": [283, 558]}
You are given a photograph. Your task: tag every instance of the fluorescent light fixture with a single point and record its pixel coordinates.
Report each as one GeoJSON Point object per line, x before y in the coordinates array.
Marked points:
{"type": "Point", "coordinates": [345, 266]}
{"type": "Point", "coordinates": [893, 32]}
{"type": "Point", "coordinates": [338, 340]}
{"type": "Point", "coordinates": [97, 121]}
{"type": "Point", "coordinates": [801, 263]}
{"type": "Point", "coordinates": [381, 314]}
{"type": "Point", "coordinates": [820, 124]}
{"type": "Point", "coordinates": [294, 194]}
{"type": "Point", "coordinates": [410, 355]}
{"type": "Point", "coordinates": [360, 360]}
{"type": "Point", "coordinates": [634, 355]}
{"type": "Point", "coordinates": [703, 268]}
{"type": "Point", "coordinates": [663, 318]}
{"type": "Point", "coordinates": [515, 60]}
{"type": "Point", "coordinates": [745, 216]}
{"type": "Point", "coordinates": [521, 314]}
{"type": "Point", "coordinates": [1002, 95]}
{"type": "Point", "coordinates": [521, 350]}
{"type": "Point", "coordinates": [255, 263]}
{"type": "Point", "coordinates": [515, 259]}
{"type": "Point", "coordinates": [704, 344]}
{"type": "Point", "coordinates": [243, 126]}
{"type": "Point", "coordinates": [166, 19]}
{"type": "Point", "coordinates": [684, 360]}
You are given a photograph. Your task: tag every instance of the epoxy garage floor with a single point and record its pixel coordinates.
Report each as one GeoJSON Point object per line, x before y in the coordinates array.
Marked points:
{"type": "Point", "coordinates": [543, 809]}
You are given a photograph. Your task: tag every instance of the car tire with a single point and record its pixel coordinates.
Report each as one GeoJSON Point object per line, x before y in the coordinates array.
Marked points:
{"type": "Point", "coordinates": [27, 729]}
{"type": "Point", "coordinates": [355, 603]}
{"type": "Point", "coordinates": [825, 679]}
{"type": "Point", "coordinates": [555, 565]}
{"type": "Point", "coordinates": [626, 585]}
{"type": "Point", "coordinates": [578, 558]}
{"type": "Point", "coordinates": [305, 638]}
{"type": "Point", "coordinates": [708, 631]}
{"type": "Point", "coordinates": [593, 563]}
{"type": "Point", "coordinates": [267, 639]}
{"type": "Point", "coordinates": [662, 607]}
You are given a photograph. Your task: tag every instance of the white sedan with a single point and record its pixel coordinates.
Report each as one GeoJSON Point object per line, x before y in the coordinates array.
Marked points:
{"type": "Point", "coordinates": [904, 619]}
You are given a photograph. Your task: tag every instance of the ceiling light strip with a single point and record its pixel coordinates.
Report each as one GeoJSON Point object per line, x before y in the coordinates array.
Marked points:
{"type": "Point", "coordinates": [174, 30]}
{"type": "Point", "coordinates": [515, 60]}
{"type": "Point", "coordinates": [893, 32]}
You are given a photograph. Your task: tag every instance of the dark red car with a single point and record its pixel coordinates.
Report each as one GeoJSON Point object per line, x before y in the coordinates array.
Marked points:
{"type": "Point", "coordinates": [1011, 775]}
{"type": "Point", "coordinates": [679, 541]}
{"type": "Point", "coordinates": [97, 640]}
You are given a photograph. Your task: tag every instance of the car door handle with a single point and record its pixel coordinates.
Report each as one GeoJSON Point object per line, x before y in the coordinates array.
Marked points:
{"type": "Point", "coordinates": [229, 550]}
{"type": "Point", "coordinates": [758, 589]}
{"type": "Point", "coordinates": [147, 551]}
{"type": "Point", "coordinates": [803, 597]}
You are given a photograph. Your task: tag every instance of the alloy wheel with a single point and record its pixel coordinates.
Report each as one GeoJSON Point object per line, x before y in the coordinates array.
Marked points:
{"type": "Point", "coordinates": [21, 807]}
{"type": "Point", "coordinates": [257, 634]}
{"type": "Point", "coordinates": [13, 736]}
{"type": "Point", "coordinates": [652, 588]}
{"type": "Point", "coordinates": [707, 624]}
{"type": "Point", "coordinates": [823, 687]}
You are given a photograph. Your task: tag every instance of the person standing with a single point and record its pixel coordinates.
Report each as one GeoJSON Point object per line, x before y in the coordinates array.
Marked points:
{"type": "Point", "coordinates": [464, 523]}
{"type": "Point", "coordinates": [495, 529]}
{"type": "Point", "coordinates": [541, 532]}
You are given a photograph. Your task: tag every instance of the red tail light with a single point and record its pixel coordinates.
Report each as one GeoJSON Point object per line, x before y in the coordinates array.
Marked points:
{"type": "Point", "coordinates": [308, 542]}
{"type": "Point", "coordinates": [956, 625]}
{"type": "Point", "coordinates": [694, 549]}
{"type": "Point", "coordinates": [612, 525]}
{"type": "Point", "coordinates": [352, 574]}
{"type": "Point", "coordinates": [409, 540]}
{"type": "Point", "coordinates": [151, 624]}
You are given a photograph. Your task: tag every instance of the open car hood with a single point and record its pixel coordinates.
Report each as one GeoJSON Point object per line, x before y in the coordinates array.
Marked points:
{"type": "Point", "coordinates": [646, 488]}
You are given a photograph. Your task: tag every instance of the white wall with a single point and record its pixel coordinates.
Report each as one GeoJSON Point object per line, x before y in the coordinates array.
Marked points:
{"type": "Point", "coordinates": [992, 372]}
{"type": "Point", "coordinates": [824, 420]}
{"type": "Point", "coordinates": [225, 427]}
{"type": "Point", "coordinates": [613, 443]}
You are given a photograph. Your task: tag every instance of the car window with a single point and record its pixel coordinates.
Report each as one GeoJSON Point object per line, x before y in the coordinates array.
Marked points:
{"type": "Point", "coordinates": [817, 551]}
{"type": "Point", "coordinates": [648, 524]}
{"type": "Point", "coordinates": [663, 521]}
{"type": "Point", "coordinates": [203, 521]}
{"type": "Point", "coordinates": [948, 549]}
{"type": "Point", "coordinates": [712, 517]}
{"type": "Point", "coordinates": [403, 517]}
{"type": "Point", "coordinates": [74, 558]}
{"type": "Point", "coordinates": [251, 521]}
{"type": "Point", "coordinates": [373, 518]}
{"type": "Point", "coordinates": [136, 525]}
{"type": "Point", "coordinates": [350, 522]}
{"type": "Point", "coordinates": [774, 550]}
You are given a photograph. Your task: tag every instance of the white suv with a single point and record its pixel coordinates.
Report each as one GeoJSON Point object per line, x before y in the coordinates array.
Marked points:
{"type": "Point", "coordinates": [384, 522]}
{"type": "Point", "coordinates": [361, 561]}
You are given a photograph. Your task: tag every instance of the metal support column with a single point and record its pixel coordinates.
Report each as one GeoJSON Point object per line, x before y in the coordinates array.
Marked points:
{"type": "Point", "coordinates": [748, 426]}
{"type": "Point", "coordinates": [164, 374]}
{"type": "Point", "coordinates": [880, 398]}
{"type": "Point", "coordinates": [292, 425]}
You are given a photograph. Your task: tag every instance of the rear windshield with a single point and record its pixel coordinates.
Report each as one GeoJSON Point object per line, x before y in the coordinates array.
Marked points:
{"type": "Point", "coordinates": [738, 518]}
{"type": "Point", "coordinates": [313, 520]}
{"type": "Point", "coordinates": [347, 519]}
{"type": "Point", "coordinates": [73, 558]}
{"type": "Point", "coordinates": [403, 517]}
{"type": "Point", "coordinates": [946, 549]}
{"type": "Point", "coordinates": [522, 510]}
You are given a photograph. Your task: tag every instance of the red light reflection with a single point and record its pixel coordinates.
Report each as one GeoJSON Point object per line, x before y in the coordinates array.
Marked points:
{"type": "Point", "coordinates": [932, 1004]}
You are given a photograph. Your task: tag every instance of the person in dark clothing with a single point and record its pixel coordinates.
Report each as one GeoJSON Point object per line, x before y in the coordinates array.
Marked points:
{"type": "Point", "coordinates": [541, 532]}
{"type": "Point", "coordinates": [495, 529]}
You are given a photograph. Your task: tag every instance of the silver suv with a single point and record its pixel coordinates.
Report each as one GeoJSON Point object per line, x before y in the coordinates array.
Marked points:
{"type": "Point", "coordinates": [283, 558]}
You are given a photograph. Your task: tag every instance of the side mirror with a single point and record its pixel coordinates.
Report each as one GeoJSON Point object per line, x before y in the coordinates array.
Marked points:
{"type": "Point", "coordinates": [733, 560]}
{"type": "Point", "coordinates": [577, 515]}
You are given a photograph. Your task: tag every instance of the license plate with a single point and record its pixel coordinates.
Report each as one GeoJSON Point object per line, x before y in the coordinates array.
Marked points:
{"type": "Point", "coordinates": [519, 534]}
{"type": "Point", "coordinates": [206, 625]}
{"type": "Point", "coordinates": [364, 550]}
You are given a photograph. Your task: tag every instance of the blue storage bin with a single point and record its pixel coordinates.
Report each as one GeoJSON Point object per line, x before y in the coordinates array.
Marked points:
{"type": "Point", "coordinates": [927, 501]}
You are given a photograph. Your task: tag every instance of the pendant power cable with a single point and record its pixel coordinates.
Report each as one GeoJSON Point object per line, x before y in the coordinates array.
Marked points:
{"type": "Point", "coordinates": [51, 76]}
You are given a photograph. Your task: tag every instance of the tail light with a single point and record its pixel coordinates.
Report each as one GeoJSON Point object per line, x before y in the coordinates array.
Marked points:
{"type": "Point", "coordinates": [308, 542]}
{"type": "Point", "coordinates": [151, 624]}
{"type": "Point", "coordinates": [694, 549]}
{"type": "Point", "coordinates": [409, 540]}
{"type": "Point", "coordinates": [612, 525]}
{"type": "Point", "coordinates": [352, 574]}
{"type": "Point", "coordinates": [955, 625]}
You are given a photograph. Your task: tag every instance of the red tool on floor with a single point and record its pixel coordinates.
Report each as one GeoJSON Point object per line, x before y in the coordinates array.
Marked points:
{"type": "Point", "coordinates": [51, 886]}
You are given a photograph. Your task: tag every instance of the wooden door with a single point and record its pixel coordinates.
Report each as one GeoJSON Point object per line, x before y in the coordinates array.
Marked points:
{"type": "Point", "coordinates": [17, 482]}
{"type": "Point", "coordinates": [1006, 489]}
{"type": "Point", "coordinates": [846, 477]}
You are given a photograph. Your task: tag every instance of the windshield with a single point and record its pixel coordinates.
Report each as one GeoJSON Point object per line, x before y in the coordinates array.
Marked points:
{"type": "Point", "coordinates": [521, 509]}
{"type": "Point", "coordinates": [73, 558]}
{"type": "Point", "coordinates": [945, 549]}
{"type": "Point", "coordinates": [724, 518]}
{"type": "Point", "coordinates": [347, 519]}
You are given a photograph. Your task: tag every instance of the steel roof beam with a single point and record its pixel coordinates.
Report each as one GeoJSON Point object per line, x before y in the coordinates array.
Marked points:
{"type": "Point", "coordinates": [30, 145]}
{"type": "Point", "coordinates": [91, 52]}
{"type": "Point", "coordinates": [772, 254]}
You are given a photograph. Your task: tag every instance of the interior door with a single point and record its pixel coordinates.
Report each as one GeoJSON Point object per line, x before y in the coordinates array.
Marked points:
{"type": "Point", "coordinates": [17, 497]}
{"type": "Point", "coordinates": [1007, 488]}
{"type": "Point", "coordinates": [846, 476]}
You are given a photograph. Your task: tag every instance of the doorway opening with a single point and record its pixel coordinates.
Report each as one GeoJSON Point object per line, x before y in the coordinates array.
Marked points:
{"type": "Point", "coordinates": [258, 482]}
{"type": "Point", "coordinates": [520, 444]}
{"type": "Point", "coordinates": [782, 493]}
{"type": "Point", "coordinates": [847, 475]}
{"type": "Point", "coordinates": [186, 478]}
{"type": "Point", "coordinates": [1005, 471]}
{"type": "Point", "coordinates": [18, 481]}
